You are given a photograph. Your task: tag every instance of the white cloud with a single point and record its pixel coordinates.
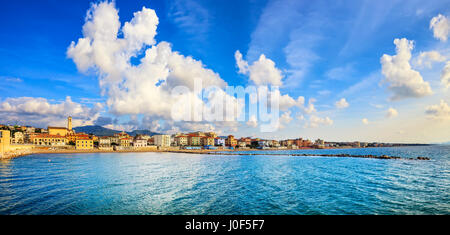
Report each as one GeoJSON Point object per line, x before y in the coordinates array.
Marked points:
{"type": "Point", "coordinates": [403, 81]}
{"type": "Point", "coordinates": [365, 121]}
{"type": "Point", "coordinates": [427, 58]}
{"type": "Point", "coordinates": [285, 101]}
{"type": "Point", "coordinates": [241, 63]}
{"type": "Point", "coordinates": [341, 73]}
{"type": "Point", "coordinates": [261, 72]}
{"type": "Point", "coordinates": [11, 79]}
{"type": "Point", "coordinates": [378, 106]}
{"type": "Point", "coordinates": [285, 118]}
{"type": "Point", "coordinates": [440, 111]}
{"type": "Point", "coordinates": [391, 112]}
{"type": "Point", "coordinates": [342, 104]}
{"type": "Point", "coordinates": [40, 112]}
{"type": "Point", "coordinates": [445, 75]}
{"type": "Point", "coordinates": [190, 16]}
{"type": "Point", "coordinates": [315, 121]}
{"type": "Point", "coordinates": [441, 27]}
{"type": "Point", "coordinates": [144, 88]}
{"type": "Point", "coordinates": [300, 117]}
{"type": "Point", "coordinates": [252, 121]}
{"type": "Point", "coordinates": [306, 109]}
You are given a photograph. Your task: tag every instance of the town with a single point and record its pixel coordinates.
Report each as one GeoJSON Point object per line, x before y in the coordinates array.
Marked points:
{"type": "Point", "coordinates": [16, 140]}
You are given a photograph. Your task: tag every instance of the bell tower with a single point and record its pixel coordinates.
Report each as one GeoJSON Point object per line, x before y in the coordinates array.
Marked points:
{"type": "Point", "coordinates": [69, 123]}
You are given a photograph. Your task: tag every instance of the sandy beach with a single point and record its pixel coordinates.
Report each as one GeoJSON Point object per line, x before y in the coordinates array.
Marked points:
{"type": "Point", "coordinates": [48, 150]}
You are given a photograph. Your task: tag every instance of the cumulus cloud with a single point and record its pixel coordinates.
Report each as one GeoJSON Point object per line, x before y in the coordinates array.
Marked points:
{"type": "Point", "coordinates": [445, 75]}
{"type": "Point", "coordinates": [441, 27]}
{"type": "Point", "coordinates": [261, 72]}
{"type": "Point", "coordinates": [341, 104]}
{"type": "Point", "coordinates": [365, 121]}
{"type": "Point", "coordinates": [310, 108]}
{"type": "Point", "coordinates": [440, 111]}
{"type": "Point", "coordinates": [403, 81]}
{"type": "Point", "coordinates": [40, 111]}
{"type": "Point", "coordinates": [286, 101]}
{"type": "Point", "coordinates": [285, 118]}
{"type": "Point", "coordinates": [300, 117]}
{"type": "Point", "coordinates": [145, 87]}
{"type": "Point", "coordinates": [315, 121]}
{"type": "Point", "coordinates": [391, 112]}
{"type": "Point", "coordinates": [427, 58]}
{"type": "Point", "coordinates": [252, 121]}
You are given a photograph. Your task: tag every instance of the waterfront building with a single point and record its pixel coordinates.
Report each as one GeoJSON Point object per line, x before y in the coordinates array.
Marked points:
{"type": "Point", "coordinates": [231, 141]}
{"type": "Point", "coordinates": [241, 144]}
{"type": "Point", "coordinates": [302, 143]}
{"type": "Point", "coordinates": [30, 129]}
{"type": "Point", "coordinates": [162, 140]}
{"type": "Point", "coordinates": [114, 140]}
{"type": "Point", "coordinates": [48, 140]}
{"type": "Point", "coordinates": [18, 138]}
{"type": "Point", "coordinates": [139, 143]}
{"type": "Point", "coordinates": [62, 131]}
{"type": "Point", "coordinates": [122, 139]}
{"type": "Point", "coordinates": [263, 143]}
{"type": "Point", "coordinates": [125, 142]}
{"type": "Point", "coordinates": [151, 141]}
{"type": "Point", "coordinates": [5, 136]}
{"type": "Point", "coordinates": [104, 142]}
{"type": "Point", "coordinates": [219, 141]}
{"type": "Point", "coordinates": [194, 140]}
{"type": "Point", "coordinates": [181, 140]}
{"type": "Point", "coordinates": [84, 144]}
{"type": "Point", "coordinates": [72, 137]}
{"type": "Point", "coordinates": [207, 141]}
{"type": "Point", "coordinates": [319, 142]}
{"type": "Point", "coordinates": [145, 137]}
{"type": "Point", "coordinates": [275, 143]}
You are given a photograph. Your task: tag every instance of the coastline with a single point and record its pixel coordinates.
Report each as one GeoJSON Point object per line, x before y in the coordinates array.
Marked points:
{"type": "Point", "coordinates": [225, 152]}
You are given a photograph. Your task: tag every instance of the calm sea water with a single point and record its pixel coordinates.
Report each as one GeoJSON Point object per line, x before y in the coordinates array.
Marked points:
{"type": "Point", "coordinates": [166, 183]}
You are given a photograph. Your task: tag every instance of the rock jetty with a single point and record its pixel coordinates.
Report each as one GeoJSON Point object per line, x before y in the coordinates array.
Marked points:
{"type": "Point", "coordinates": [308, 155]}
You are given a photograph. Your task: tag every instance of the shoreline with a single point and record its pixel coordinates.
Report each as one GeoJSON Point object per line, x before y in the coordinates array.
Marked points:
{"type": "Point", "coordinates": [224, 152]}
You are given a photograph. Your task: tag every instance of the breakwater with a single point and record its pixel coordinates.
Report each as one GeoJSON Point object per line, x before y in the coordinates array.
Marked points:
{"type": "Point", "coordinates": [307, 155]}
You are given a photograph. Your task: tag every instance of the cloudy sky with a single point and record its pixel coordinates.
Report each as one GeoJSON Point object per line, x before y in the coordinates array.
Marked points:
{"type": "Point", "coordinates": [347, 70]}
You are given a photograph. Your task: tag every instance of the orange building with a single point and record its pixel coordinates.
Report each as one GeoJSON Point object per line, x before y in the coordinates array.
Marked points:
{"type": "Point", "coordinates": [231, 141]}
{"type": "Point", "coordinates": [48, 140]}
{"type": "Point", "coordinates": [84, 143]}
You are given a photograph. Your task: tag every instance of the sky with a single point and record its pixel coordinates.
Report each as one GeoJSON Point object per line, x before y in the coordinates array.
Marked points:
{"type": "Point", "coordinates": [346, 70]}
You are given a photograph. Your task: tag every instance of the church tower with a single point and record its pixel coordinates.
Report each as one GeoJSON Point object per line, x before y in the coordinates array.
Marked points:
{"type": "Point", "coordinates": [69, 123]}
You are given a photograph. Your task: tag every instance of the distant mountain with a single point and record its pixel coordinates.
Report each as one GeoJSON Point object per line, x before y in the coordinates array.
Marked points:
{"type": "Point", "coordinates": [142, 132]}
{"type": "Point", "coordinates": [102, 131]}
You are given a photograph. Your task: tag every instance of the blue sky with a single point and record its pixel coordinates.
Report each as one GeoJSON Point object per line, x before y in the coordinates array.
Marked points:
{"type": "Point", "coordinates": [326, 51]}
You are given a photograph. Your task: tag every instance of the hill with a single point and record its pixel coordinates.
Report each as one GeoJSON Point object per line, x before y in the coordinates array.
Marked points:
{"type": "Point", "coordinates": [102, 131]}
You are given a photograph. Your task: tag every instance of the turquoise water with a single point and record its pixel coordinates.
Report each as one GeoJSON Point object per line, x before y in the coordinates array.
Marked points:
{"type": "Point", "coordinates": [170, 183]}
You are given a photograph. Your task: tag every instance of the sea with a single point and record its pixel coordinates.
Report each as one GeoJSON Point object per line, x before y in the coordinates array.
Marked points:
{"type": "Point", "coordinates": [179, 183]}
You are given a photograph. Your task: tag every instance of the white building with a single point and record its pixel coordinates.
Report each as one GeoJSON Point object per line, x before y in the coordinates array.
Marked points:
{"type": "Point", "coordinates": [162, 140]}
{"type": "Point", "coordinates": [137, 143]}
{"type": "Point", "coordinates": [104, 142]}
{"type": "Point", "coordinates": [18, 138]}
